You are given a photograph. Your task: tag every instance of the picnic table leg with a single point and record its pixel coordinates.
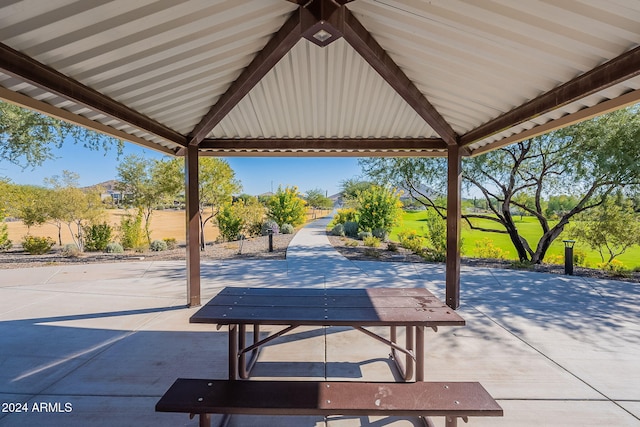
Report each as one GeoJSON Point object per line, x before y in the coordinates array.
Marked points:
{"type": "Point", "coordinates": [244, 366]}
{"type": "Point", "coordinates": [451, 421]}
{"type": "Point", "coordinates": [419, 353]}
{"type": "Point", "coordinates": [233, 352]}
{"type": "Point", "coordinates": [405, 369]}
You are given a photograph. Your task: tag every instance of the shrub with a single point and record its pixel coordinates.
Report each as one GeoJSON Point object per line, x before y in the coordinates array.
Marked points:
{"type": "Point", "coordinates": [437, 227]}
{"type": "Point", "coordinates": [373, 242]}
{"type": "Point", "coordinates": [378, 208]}
{"type": "Point", "coordinates": [364, 234]}
{"type": "Point", "coordinates": [287, 229]}
{"type": "Point", "coordinates": [410, 240]}
{"type": "Point", "coordinates": [5, 243]}
{"type": "Point", "coordinates": [269, 225]}
{"type": "Point", "coordinates": [71, 250]}
{"type": "Point", "coordinates": [350, 228]}
{"type": "Point", "coordinates": [392, 246]}
{"type": "Point", "coordinates": [338, 230]}
{"type": "Point", "coordinates": [433, 255]}
{"type": "Point", "coordinates": [229, 223]}
{"type": "Point", "coordinates": [37, 245]}
{"type": "Point", "coordinates": [97, 236]}
{"type": "Point", "coordinates": [287, 207]}
{"type": "Point", "coordinates": [486, 249]}
{"type": "Point", "coordinates": [114, 248]}
{"type": "Point", "coordinates": [579, 257]}
{"type": "Point", "coordinates": [372, 253]}
{"type": "Point", "coordinates": [131, 233]}
{"type": "Point", "coordinates": [554, 259]}
{"type": "Point", "coordinates": [615, 268]}
{"type": "Point", "coordinates": [171, 242]}
{"type": "Point", "coordinates": [158, 246]}
{"type": "Point", "coordinates": [344, 215]}
{"type": "Point", "coordinates": [380, 233]}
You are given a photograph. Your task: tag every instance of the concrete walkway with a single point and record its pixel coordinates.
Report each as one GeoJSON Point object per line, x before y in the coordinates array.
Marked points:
{"type": "Point", "coordinates": [98, 344]}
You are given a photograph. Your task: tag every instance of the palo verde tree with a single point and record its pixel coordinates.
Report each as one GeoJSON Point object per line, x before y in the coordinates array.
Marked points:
{"type": "Point", "coordinates": [148, 184]}
{"type": "Point", "coordinates": [287, 207]}
{"type": "Point", "coordinates": [611, 228]}
{"type": "Point", "coordinates": [72, 206]}
{"type": "Point", "coordinates": [588, 160]}
{"type": "Point", "coordinates": [218, 184]}
{"type": "Point", "coordinates": [27, 138]}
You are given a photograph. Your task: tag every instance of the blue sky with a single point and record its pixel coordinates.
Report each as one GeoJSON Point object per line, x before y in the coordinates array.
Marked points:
{"type": "Point", "coordinates": [257, 175]}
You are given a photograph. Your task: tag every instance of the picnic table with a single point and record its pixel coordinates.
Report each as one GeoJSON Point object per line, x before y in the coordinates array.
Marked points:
{"type": "Point", "coordinates": [413, 309]}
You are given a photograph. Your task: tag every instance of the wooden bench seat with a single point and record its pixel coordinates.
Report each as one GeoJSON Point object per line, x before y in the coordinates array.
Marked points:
{"type": "Point", "coordinates": [453, 399]}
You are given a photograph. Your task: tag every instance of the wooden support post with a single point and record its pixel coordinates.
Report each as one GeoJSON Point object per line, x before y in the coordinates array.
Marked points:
{"type": "Point", "coordinates": [454, 161]}
{"type": "Point", "coordinates": [193, 226]}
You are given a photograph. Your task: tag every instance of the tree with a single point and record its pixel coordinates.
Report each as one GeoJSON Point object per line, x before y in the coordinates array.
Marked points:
{"type": "Point", "coordinates": [27, 138]}
{"type": "Point", "coordinates": [379, 208]}
{"type": "Point", "coordinates": [350, 189]}
{"type": "Point", "coordinates": [72, 206]}
{"type": "Point", "coordinates": [147, 184]}
{"type": "Point", "coordinates": [588, 160]}
{"type": "Point", "coordinates": [317, 199]}
{"type": "Point", "coordinates": [28, 203]}
{"type": "Point", "coordinates": [611, 228]}
{"type": "Point", "coordinates": [287, 207]}
{"type": "Point", "coordinates": [218, 183]}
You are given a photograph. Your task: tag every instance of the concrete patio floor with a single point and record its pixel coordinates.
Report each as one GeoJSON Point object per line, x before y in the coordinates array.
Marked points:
{"type": "Point", "coordinates": [101, 343]}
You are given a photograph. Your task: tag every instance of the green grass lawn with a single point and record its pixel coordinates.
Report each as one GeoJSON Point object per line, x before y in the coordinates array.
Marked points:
{"type": "Point", "coordinates": [528, 227]}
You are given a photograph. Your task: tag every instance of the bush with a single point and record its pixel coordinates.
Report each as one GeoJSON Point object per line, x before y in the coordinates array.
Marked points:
{"type": "Point", "coordinates": [287, 229]}
{"type": "Point", "coordinates": [486, 249]}
{"type": "Point", "coordinates": [410, 240]}
{"type": "Point", "coordinates": [229, 223]}
{"type": "Point", "coordinates": [97, 236]}
{"type": "Point", "coordinates": [615, 268]}
{"type": "Point", "coordinates": [171, 242]}
{"type": "Point", "coordinates": [158, 246]}
{"type": "Point", "coordinates": [392, 246]}
{"type": "Point", "coordinates": [373, 242]}
{"type": "Point", "coordinates": [269, 225]}
{"type": "Point", "coordinates": [364, 234]}
{"type": "Point", "coordinates": [287, 207]}
{"type": "Point", "coordinates": [37, 245]}
{"type": "Point", "coordinates": [338, 230]}
{"type": "Point", "coordinates": [131, 233]}
{"type": "Point", "coordinates": [344, 215]}
{"type": "Point", "coordinates": [378, 208]}
{"type": "Point", "coordinates": [351, 228]}
{"type": "Point", "coordinates": [380, 233]}
{"type": "Point", "coordinates": [114, 248]}
{"type": "Point", "coordinates": [5, 243]}
{"type": "Point", "coordinates": [71, 250]}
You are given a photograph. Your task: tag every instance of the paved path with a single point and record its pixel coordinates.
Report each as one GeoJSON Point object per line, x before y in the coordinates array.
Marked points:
{"type": "Point", "coordinates": [98, 344]}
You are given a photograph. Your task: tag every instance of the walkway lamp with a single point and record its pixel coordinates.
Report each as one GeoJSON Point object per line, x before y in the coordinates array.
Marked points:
{"type": "Point", "coordinates": [568, 256]}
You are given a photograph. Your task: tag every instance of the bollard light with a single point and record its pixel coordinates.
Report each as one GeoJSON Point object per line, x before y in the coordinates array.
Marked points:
{"type": "Point", "coordinates": [568, 256]}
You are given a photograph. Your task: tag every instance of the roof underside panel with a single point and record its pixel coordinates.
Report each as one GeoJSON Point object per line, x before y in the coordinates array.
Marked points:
{"type": "Point", "coordinates": [167, 62]}
{"type": "Point", "coordinates": [476, 59]}
{"type": "Point", "coordinates": [170, 60]}
{"type": "Point", "coordinates": [316, 92]}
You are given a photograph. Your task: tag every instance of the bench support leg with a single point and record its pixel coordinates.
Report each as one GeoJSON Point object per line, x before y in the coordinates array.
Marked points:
{"type": "Point", "coordinates": [451, 421]}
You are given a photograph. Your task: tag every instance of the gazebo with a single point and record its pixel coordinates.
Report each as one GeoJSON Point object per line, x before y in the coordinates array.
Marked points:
{"type": "Point", "coordinates": [359, 78]}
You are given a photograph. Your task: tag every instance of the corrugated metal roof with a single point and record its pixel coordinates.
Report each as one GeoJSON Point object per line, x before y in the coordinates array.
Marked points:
{"type": "Point", "coordinates": [171, 61]}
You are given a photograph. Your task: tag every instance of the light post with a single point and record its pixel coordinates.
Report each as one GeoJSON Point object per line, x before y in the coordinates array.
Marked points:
{"type": "Point", "coordinates": [568, 256]}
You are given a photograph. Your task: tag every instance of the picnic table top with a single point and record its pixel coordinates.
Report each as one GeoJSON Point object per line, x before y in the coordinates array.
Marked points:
{"type": "Point", "coordinates": [327, 307]}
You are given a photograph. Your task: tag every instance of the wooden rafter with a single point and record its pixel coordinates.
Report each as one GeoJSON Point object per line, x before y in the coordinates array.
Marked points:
{"type": "Point", "coordinates": [29, 70]}
{"type": "Point", "coordinates": [617, 70]}
{"type": "Point", "coordinates": [390, 144]}
{"type": "Point", "coordinates": [281, 43]}
{"type": "Point", "coordinates": [363, 42]}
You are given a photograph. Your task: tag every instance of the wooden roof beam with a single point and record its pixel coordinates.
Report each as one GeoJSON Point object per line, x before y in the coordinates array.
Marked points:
{"type": "Point", "coordinates": [279, 45]}
{"type": "Point", "coordinates": [619, 69]}
{"type": "Point", "coordinates": [287, 144]}
{"type": "Point", "coordinates": [363, 42]}
{"type": "Point", "coordinates": [31, 71]}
